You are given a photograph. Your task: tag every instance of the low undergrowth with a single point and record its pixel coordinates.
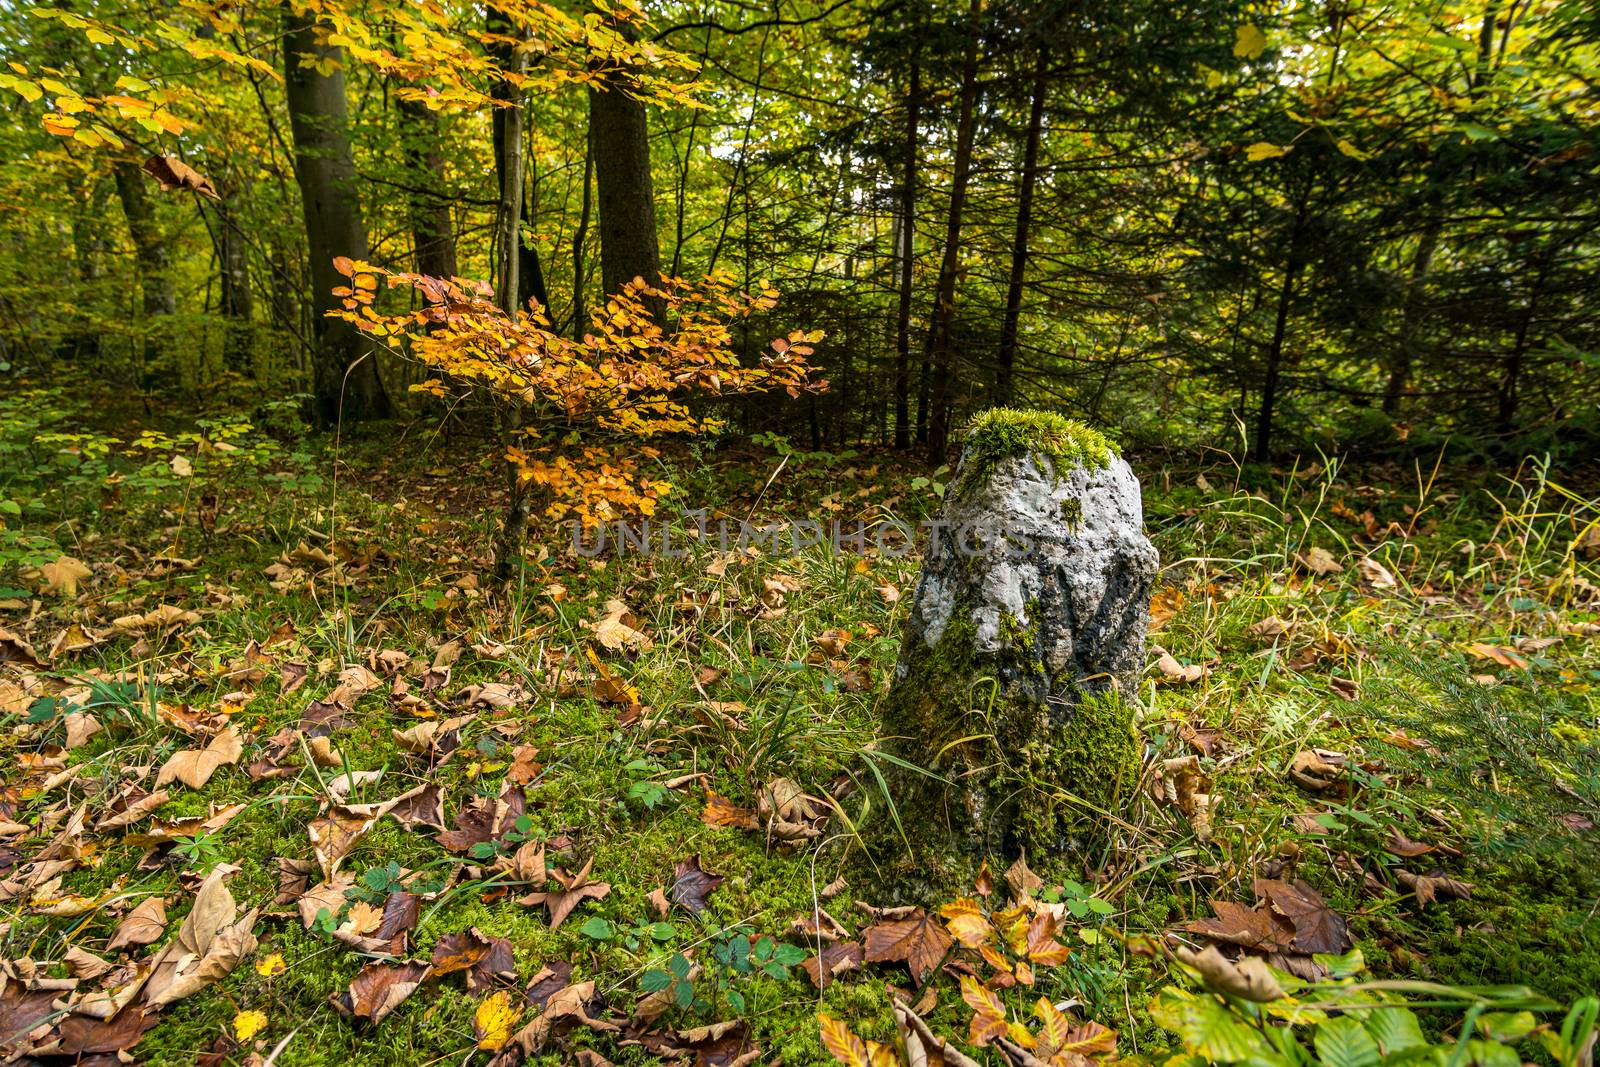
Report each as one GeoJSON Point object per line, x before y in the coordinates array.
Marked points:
{"type": "Point", "coordinates": [1380, 685]}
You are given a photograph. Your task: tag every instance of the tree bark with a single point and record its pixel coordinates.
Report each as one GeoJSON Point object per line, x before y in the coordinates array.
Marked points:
{"type": "Point", "coordinates": [907, 250]}
{"type": "Point", "coordinates": [149, 245]}
{"type": "Point", "coordinates": [506, 122]}
{"type": "Point", "coordinates": [619, 131]}
{"type": "Point", "coordinates": [580, 237]}
{"type": "Point", "coordinates": [1274, 370]}
{"type": "Point", "coordinates": [433, 238]}
{"type": "Point", "coordinates": [1004, 378]}
{"type": "Point", "coordinates": [345, 380]}
{"type": "Point", "coordinates": [1405, 345]}
{"type": "Point", "coordinates": [238, 302]}
{"type": "Point", "coordinates": [941, 341]}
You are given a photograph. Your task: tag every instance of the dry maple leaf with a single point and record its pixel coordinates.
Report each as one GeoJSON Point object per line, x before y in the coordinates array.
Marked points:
{"type": "Point", "coordinates": [380, 988]}
{"type": "Point", "coordinates": [1430, 887]}
{"type": "Point", "coordinates": [194, 767]}
{"type": "Point", "coordinates": [615, 631]}
{"type": "Point", "coordinates": [692, 885]}
{"type": "Point", "coordinates": [917, 941]}
{"type": "Point", "coordinates": [575, 889]}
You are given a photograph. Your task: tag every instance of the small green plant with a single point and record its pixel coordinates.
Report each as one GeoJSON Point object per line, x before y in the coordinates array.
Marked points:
{"type": "Point", "coordinates": [201, 850]}
{"type": "Point", "coordinates": [1264, 1016]}
{"type": "Point", "coordinates": [644, 791]}
{"type": "Point", "coordinates": [735, 961]}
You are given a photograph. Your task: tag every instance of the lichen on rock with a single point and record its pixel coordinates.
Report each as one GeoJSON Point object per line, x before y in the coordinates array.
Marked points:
{"type": "Point", "coordinates": [1024, 640]}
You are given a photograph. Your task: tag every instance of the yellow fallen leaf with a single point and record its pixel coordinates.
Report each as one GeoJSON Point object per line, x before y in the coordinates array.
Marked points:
{"type": "Point", "coordinates": [271, 966]}
{"type": "Point", "coordinates": [494, 1021]}
{"type": "Point", "coordinates": [248, 1024]}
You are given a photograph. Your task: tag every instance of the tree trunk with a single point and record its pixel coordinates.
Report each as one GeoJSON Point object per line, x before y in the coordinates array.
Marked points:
{"type": "Point", "coordinates": [433, 238]}
{"type": "Point", "coordinates": [1004, 387]}
{"type": "Point", "coordinates": [1405, 345]}
{"type": "Point", "coordinates": [620, 133]}
{"type": "Point", "coordinates": [1506, 392]}
{"type": "Point", "coordinates": [580, 237]}
{"type": "Point", "coordinates": [149, 246]}
{"type": "Point", "coordinates": [1274, 371]}
{"type": "Point", "coordinates": [507, 126]}
{"type": "Point", "coordinates": [907, 251]}
{"type": "Point", "coordinates": [238, 303]}
{"type": "Point", "coordinates": [346, 383]}
{"type": "Point", "coordinates": [941, 341]}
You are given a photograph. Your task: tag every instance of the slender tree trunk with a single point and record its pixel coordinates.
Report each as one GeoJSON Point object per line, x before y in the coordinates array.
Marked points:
{"type": "Point", "coordinates": [238, 302]}
{"type": "Point", "coordinates": [1274, 370]}
{"type": "Point", "coordinates": [433, 238]}
{"type": "Point", "coordinates": [150, 253]}
{"type": "Point", "coordinates": [507, 126]}
{"type": "Point", "coordinates": [907, 251]}
{"type": "Point", "coordinates": [1510, 379]}
{"type": "Point", "coordinates": [619, 132]}
{"type": "Point", "coordinates": [941, 340]}
{"type": "Point", "coordinates": [580, 237]}
{"type": "Point", "coordinates": [345, 379]}
{"type": "Point", "coordinates": [1004, 387]}
{"type": "Point", "coordinates": [1405, 345]}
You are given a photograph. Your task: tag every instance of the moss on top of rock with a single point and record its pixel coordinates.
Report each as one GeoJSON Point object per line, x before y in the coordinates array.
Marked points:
{"type": "Point", "coordinates": [1002, 432]}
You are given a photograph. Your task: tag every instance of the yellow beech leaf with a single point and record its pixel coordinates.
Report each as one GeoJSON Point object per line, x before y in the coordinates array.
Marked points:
{"type": "Point", "coordinates": [1249, 42]}
{"type": "Point", "coordinates": [1264, 150]}
{"type": "Point", "coordinates": [494, 1021]}
{"type": "Point", "coordinates": [248, 1024]}
{"type": "Point", "coordinates": [270, 966]}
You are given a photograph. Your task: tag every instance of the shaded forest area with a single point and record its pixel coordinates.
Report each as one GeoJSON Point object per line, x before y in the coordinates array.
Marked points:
{"type": "Point", "coordinates": [1274, 227]}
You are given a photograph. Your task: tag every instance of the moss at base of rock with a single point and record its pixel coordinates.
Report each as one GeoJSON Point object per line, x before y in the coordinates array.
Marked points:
{"type": "Point", "coordinates": [1023, 762]}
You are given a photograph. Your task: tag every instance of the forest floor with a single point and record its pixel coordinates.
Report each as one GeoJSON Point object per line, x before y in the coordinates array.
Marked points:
{"type": "Point", "coordinates": [629, 789]}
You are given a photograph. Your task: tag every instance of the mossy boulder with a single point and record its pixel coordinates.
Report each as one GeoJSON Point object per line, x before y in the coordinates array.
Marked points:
{"type": "Point", "coordinates": [1023, 644]}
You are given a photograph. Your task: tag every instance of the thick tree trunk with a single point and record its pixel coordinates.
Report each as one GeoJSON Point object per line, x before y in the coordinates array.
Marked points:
{"type": "Point", "coordinates": [345, 380]}
{"type": "Point", "coordinates": [907, 252]}
{"type": "Point", "coordinates": [1004, 378]}
{"type": "Point", "coordinates": [433, 238]}
{"type": "Point", "coordinates": [941, 340]}
{"type": "Point", "coordinates": [619, 130]}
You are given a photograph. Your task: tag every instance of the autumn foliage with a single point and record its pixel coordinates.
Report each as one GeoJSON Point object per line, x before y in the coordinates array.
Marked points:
{"type": "Point", "coordinates": [583, 410]}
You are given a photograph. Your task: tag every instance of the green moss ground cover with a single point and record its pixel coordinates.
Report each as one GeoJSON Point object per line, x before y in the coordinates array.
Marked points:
{"type": "Point", "coordinates": [1447, 669]}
